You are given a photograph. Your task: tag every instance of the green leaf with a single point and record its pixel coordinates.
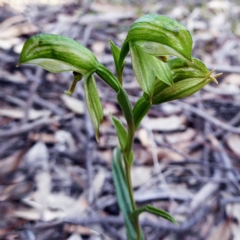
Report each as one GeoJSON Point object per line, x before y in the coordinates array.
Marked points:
{"type": "Point", "coordinates": [116, 53]}
{"type": "Point", "coordinates": [159, 36]}
{"type": "Point", "coordinates": [124, 103]}
{"type": "Point", "coordinates": [155, 211]}
{"type": "Point", "coordinates": [126, 107]}
{"type": "Point", "coordinates": [93, 103]}
{"type": "Point", "coordinates": [122, 194]}
{"type": "Point", "coordinates": [163, 72]}
{"type": "Point", "coordinates": [58, 54]}
{"type": "Point", "coordinates": [143, 69]}
{"type": "Point", "coordinates": [188, 78]}
{"type": "Point", "coordinates": [147, 68]}
{"type": "Point", "coordinates": [140, 109]}
{"type": "Point", "coordinates": [121, 132]}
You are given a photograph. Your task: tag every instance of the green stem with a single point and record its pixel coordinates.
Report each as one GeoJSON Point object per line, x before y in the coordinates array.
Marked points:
{"type": "Point", "coordinates": [126, 107]}
{"type": "Point", "coordinates": [128, 114]}
{"type": "Point", "coordinates": [129, 183]}
{"type": "Point", "coordinates": [120, 78]}
{"type": "Point", "coordinates": [130, 190]}
{"type": "Point", "coordinates": [108, 77]}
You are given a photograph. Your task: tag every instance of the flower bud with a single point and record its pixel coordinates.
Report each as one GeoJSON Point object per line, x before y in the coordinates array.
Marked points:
{"type": "Point", "coordinates": [147, 68]}
{"type": "Point", "coordinates": [150, 39]}
{"type": "Point", "coordinates": [159, 36]}
{"type": "Point", "coordinates": [188, 78]}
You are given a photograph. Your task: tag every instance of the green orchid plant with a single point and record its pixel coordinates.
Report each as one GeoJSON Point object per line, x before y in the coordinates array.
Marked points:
{"type": "Point", "coordinates": [150, 40]}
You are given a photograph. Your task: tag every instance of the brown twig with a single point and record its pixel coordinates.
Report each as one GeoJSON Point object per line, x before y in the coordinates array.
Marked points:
{"type": "Point", "coordinates": [209, 118]}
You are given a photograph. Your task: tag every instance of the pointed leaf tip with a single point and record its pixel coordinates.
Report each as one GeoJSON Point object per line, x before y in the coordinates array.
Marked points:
{"type": "Point", "coordinates": [121, 132]}
{"type": "Point", "coordinates": [155, 211]}
{"type": "Point", "coordinates": [97, 135]}
{"type": "Point", "coordinates": [188, 78]}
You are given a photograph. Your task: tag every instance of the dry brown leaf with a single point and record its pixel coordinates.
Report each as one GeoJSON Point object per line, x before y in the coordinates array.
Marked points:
{"type": "Point", "coordinates": [37, 155]}
{"type": "Point", "coordinates": [64, 141]}
{"type": "Point", "coordinates": [105, 155]}
{"type": "Point", "coordinates": [230, 88]}
{"type": "Point", "coordinates": [165, 123]}
{"type": "Point", "coordinates": [9, 163]}
{"type": "Point", "coordinates": [43, 184]}
{"type": "Point", "coordinates": [18, 30]}
{"type": "Point", "coordinates": [181, 140]}
{"type": "Point", "coordinates": [74, 104]}
{"type": "Point", "coordinates": [11, 21]}
{"type": "Point", "coordinates": [39, 214]}
{"type": "Point", "coordinates": [170, 109]}
{"type": "Point", "coordinates": [63, 205]}
{"type": "Point", "coordinates": [78, 229]}
{"type": "Point", "coordinates": [16, 26]}
{"type": "Point", "coordinates": [18, 47]}
{"type": "Point", "coordinates": [16, 191]}
{"type": "Point", "coordinates": [98, 48]}
{"type": "Point", "coordinates": [107, 140]}
{"type": "Point", "coordinates": [222, 231]}
{"type": "Point", "coordinates": [99, 181]}
{"type": "Point", "coordinates": [179, 137]}
{"type": "Point", "coordinates": [233, 211]}
{"type": "Point", "coordinates": [207, 226]}
{"type": "Point", "coordinates": [16, 77]}
{"type": "Point", "coordinates": [144, 137]}
{"type": "Point", "coordinates": [140, 175]}
{"type": "Point", "coordinates": [143, 156]}
{"type": "Point", "coordinates": [167, 154]}
{"type": "Point", "coordinates": [43, 137]}
{"type": "Point", "coordinates": [233, 141]}
{"type": "Point", "coordinates": [232, 79]}
{"type": "Point", "coordinates": [71, 207]}
{"type": "Point", "coordinates": [7, 44]}
{"type": "Point", "coordinates": [16, 113]}
{"type": "Point", "coordinates": [109, 108]}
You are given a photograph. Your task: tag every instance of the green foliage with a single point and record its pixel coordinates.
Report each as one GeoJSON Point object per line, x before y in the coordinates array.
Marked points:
{"type": "Point", "coordinates": [150, 40]}
{"type": "Point", "coordinates": [148, 68]}
{"type": "Point", "coordinates": [158, 212]}
{"type": "Point", "coordinates": [116, 53]}
{"type": "Point", "coordinates": [159, 36]}
{"type": "Point", "coordinates": [121, 132]}
{"type": "Point", "coordinates": [123, 197]}
{"type": "Point", "coordinates": [140, 109]}
{"type": "Point", "coordinates": [188, 78]}
{"type": "Point", "coordinates": [93, 103]}
{"type": "Point", "coordinates": [58, 54]}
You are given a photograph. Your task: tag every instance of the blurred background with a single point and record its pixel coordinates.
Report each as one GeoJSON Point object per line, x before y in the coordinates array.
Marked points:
{"type": "Point", "coordinates": [55, 180]}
